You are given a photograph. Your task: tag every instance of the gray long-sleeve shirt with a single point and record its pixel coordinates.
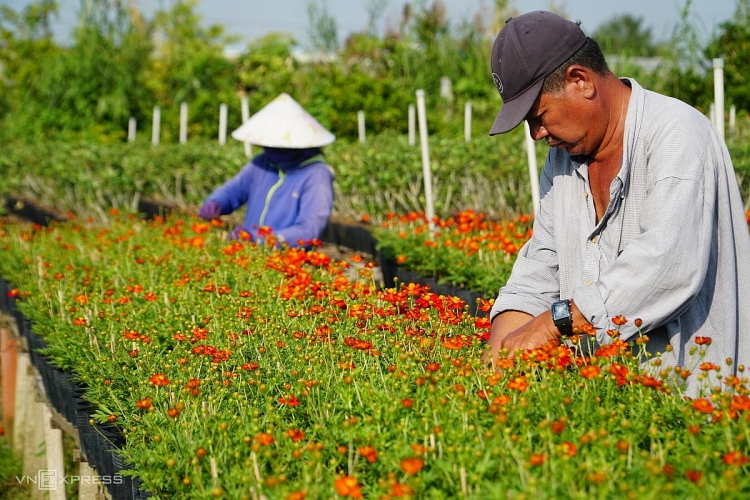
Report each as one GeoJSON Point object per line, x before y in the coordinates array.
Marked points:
{"type": "Point", "coordinates": [672, 249]}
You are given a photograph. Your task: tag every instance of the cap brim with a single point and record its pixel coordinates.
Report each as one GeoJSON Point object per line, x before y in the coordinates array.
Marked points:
{"type": "Point", "coordinates": [512, 113]}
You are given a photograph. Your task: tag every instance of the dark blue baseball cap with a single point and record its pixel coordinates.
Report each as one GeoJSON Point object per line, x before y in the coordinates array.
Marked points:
{"type": "Point", "coordinates": [527, 50]}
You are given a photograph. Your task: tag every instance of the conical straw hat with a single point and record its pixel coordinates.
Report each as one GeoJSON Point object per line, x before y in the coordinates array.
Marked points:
{"type": "Point", "coordinates": [283, 123]}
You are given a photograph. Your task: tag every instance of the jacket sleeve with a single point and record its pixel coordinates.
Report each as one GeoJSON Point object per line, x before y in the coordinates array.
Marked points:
{"type": "Point", "coordinates": [235, 192]}
{"type": "Point", "coordinates": [316, 203]}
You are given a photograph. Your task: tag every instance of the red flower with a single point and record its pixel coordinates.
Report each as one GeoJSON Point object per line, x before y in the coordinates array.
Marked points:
{"type": "Point", "coordinates": [619, 320]}
{"type": "Point", "coordinates": [708, 366]}
{"type": "Point", "coordinates": [703, 405]}
{"type": "Point", "coordinates": [694, 475]}
{"type": "Point", "coordinates": [159, 379]}
{"type": "Point", "coordinates": [407, 402]}
{"type": "Point", "coordinates": [734, 458]}
{"type": "Point", "coordinates": [741, 403]}
{"type": "Point", "coordinates": [703, 340]}
{"type": "Point", "coordinates": [400, 490]}
{"type": "Point", "coordinates": [569, 449]}
{"type": "Point", "coordinates": [291, 400]}
{"type": "Point", "coordinates": [369, 453]}
{"type": "Point", "coordinates": [144, 404]}
{"type": "Point", "coordinates": [295, 435]}
{"type": "Point", "coordinates": [264, 439]}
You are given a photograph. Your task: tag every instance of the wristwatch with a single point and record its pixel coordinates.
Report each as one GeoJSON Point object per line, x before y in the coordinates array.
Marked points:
{"type": "Point", "coordinates": [563, 317]}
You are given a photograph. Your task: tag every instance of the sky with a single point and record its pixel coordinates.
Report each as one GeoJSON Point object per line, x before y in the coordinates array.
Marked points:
{"type": "Point", "coordinates": [251, 19]}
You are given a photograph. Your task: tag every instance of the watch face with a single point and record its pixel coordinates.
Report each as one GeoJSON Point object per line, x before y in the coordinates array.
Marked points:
{"type": "Point", "coordinates": [560, 310]}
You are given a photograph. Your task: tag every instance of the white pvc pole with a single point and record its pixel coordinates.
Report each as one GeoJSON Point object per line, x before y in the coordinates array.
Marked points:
{"type": "Point", "coordinates": [467, 122]}
{"type": "Point", "coordinates": [719, 94]}
{"type": "Point", "coordinates": [732, 120]}
{"type": "Point", "coordinates": [156, 126]}
{"type": "Point", "coordinates": [426, 170]}
{"type": "Point", "coordinates": [412, 125]}
{"type": "Point", "coordinates": [183, 122]}
{"type": "Point", "coordinates": [131, 129]}
{"type": "Point", "coordinates": [712, 113]}
{"type": "Point", "coordinates": [361, 125]}
{"type": "Point", "coordinates": [222, 124]}
{"type": "Point", "coordinates": [245, 117]}
{"type": "Point", "coordinates": [533, 172]}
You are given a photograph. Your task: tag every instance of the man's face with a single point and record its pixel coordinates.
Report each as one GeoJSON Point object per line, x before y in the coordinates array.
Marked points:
{"type": "Point", "coordinates": [560, 119]}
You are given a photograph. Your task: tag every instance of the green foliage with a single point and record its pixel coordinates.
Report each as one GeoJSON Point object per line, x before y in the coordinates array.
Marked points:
{"type": "Point", "coordinates": [10, 468]}
{"type": "Point", "coordinates": [733, 45]}
{"type": "Point", "coordinates": [380, 176]}
{"type": "Point", "coordinates": [121, 65]}
{"type": "Point", "coordinates": [189, 66]}
{"type": "Point", "coordinates": [91, 88]}
{"type": "Point", "coordinates": [625, 34]}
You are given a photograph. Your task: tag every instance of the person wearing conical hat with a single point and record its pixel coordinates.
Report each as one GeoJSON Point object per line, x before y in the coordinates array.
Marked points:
{"type": "Point", "coordinates": [287, 189]}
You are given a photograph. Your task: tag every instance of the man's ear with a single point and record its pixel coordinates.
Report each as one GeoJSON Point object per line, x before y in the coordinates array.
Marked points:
{"type": "Point", "coordinates": [580, 78]}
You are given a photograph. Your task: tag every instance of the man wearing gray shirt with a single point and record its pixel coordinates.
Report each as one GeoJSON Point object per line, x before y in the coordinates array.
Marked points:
{"type": "Point", "coordinates": [640, 214]}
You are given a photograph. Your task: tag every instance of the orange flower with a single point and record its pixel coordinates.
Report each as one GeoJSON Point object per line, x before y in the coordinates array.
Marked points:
{"type": "Point", "coordinates": [432, 366]}
{"type": "Point", "coordinates": [412, 465]}
{"type": "Point", "coordinates": [144, 404]}
{"type": "Point", "coordinates": [297, 495]}
{"type": "Point", "coordinates": [557, 426]}
{"type": "Point", "coordinates": [401, 259]}
{"type": "Point", "coordinates": [537, 459]}
{"type": "Point", "coordinates": [734, 458]}
{"type": "Point", "coordinates": [703, 340]}
{"type": "Point", "coordinates": [453, 343]}
{"type": "Point", "coordinates": [399, 490]}
{"type": "Point", "coordinates": [159, 379]}
{"type": "Point", "coordinates": [348, 486]}
{"type": "Point", "coordinates": [173, 412]}
{"type": "Point", "coordinates": [590, 371]}
{"type": "Point", "coordinates": [369, 453]}
{"type": "Point", "coordinates": [703, 405]}
{"type": "Point", "coordinates": [519, 384]}
{"type": "Point", "coordinates": [569, 449]}
{"type": "Point", "coordinates": [619, 320]}
{"type": "Point", "coordinates": [264, 439]}
{"type": "Point", "coordinates": [708, 366]}
{"type": "Point", "coordinates": [741, 403]}
{"type": "Point", "coordinates": [407, 402]}
{"type": "Point", "coordinates": [295, 435]}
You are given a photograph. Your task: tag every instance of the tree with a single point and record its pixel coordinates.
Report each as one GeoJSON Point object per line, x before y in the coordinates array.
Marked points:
{"type": "Point", "coordinates": [625, 35]}
{"type": "Point", "coordinates": [732, 43]}
{"type": "Point", "coordinates": [323, 31]}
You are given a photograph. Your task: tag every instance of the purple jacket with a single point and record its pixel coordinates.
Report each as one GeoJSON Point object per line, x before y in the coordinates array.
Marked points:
{"type": "Point", "coordinates": [295, 202]}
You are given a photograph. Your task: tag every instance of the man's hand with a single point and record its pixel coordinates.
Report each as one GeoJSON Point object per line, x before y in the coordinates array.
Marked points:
{"type": "Point", "coordinates": [532, 335]}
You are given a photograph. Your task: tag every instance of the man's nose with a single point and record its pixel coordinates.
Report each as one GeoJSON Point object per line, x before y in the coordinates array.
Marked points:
{"type": "Point", "coordinates": [537, 131]}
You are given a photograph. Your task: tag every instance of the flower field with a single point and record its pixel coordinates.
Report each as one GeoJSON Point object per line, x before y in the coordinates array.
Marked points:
{"type": "Point", "coordinates": [238, 371]}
